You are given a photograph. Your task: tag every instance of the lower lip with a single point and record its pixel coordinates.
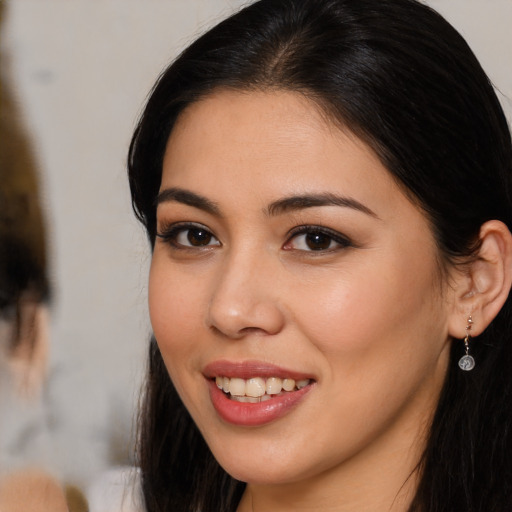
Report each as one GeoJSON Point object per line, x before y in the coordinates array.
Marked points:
{"type": "Point", "coordinates": [253, 415]}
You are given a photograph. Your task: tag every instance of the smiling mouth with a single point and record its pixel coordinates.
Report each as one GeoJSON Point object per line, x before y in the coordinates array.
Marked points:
{"type": "Point", "coordinates": [258, 389]}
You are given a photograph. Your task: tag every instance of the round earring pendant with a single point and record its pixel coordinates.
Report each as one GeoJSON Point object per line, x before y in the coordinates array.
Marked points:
{"type": "Point", "coordinates": [466, 363]}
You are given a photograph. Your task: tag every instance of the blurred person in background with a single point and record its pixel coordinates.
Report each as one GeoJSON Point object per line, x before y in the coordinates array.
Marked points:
{"type": "Point", "coordinates": [24, 293]}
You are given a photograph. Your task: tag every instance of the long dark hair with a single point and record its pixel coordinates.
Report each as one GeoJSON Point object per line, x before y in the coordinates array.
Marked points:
{"type": "Point", "coordinates": [403, 80]}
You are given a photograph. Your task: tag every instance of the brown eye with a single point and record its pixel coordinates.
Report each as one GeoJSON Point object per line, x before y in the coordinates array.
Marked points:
{"type": "Point", "coordinates": [194, 237]}
{"type": "Point", "coordinates": [182, 236]}
{"type": "Point", "coordinates": [198, 237]}
{"type": "Point", "coordinates": [318, 241]}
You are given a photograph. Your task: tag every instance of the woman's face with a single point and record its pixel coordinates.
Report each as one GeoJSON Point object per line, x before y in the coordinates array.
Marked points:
{"type": "Point", "coordinates": [288, 258]}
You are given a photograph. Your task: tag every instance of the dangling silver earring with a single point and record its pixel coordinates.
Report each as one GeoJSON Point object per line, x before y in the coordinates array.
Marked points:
{"type": "Point", "coordinates": [466, 362]}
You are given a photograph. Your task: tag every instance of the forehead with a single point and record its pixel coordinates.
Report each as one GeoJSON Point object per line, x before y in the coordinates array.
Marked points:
{"type": "Point", "coordinates": [252, 114]}
{"type": "Point", "coordinates": [262, 134]}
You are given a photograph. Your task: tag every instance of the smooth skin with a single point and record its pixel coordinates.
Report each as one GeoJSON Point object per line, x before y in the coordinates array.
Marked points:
{"type": "Point", "coordinates": [293, 245]}
{"type": "Point", "coordinates": [31, 490]}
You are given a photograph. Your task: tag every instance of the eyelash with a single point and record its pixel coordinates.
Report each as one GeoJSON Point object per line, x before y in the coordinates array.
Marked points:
{"type": "Point", "coordinates": [169, 234]}
{"type": "Point", "coordinates": [334, 236]}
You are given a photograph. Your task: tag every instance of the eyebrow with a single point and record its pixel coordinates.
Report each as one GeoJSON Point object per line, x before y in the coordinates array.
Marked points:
{"type": "Point", "coordinates": [294, 203]}
{"type": "Point", "coordinates": [279, 207]}
{"type": "Point", "coordinates": [180, 195]}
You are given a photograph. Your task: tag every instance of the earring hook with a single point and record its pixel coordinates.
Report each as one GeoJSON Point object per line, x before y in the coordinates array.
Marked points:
{"type": "Point", "coordinates": [467, 362]}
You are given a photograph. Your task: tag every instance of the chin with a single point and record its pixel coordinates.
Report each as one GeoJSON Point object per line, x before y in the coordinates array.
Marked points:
{"type": "Point", "coordinates": [261, 467]}
{"type": "Point", "coordinates": [259, 475]}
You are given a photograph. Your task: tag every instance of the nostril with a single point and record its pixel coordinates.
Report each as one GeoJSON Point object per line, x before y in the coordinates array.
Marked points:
{"type": "Point", "coordinates": [248, 317]}
{"type": "Point", "coordinates": [252, 330]}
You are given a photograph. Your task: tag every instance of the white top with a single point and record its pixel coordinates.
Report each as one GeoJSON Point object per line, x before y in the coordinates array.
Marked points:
{"type": "Point", "coordinates": [116, 490]}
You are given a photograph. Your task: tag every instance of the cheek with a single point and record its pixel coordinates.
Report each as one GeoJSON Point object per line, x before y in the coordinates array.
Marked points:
{"type": "Point", "coordinates": [174, 308]}
{"type": "Point", "coordinates": [175, 303]}
{"type": "Point", "coordinates": [381, 337]}
{"type": "Point", "coordinates": [372, 308]}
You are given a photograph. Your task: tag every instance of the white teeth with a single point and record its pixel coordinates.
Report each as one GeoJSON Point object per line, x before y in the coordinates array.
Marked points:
{"type": "Point", "coordinates": [257, 387]}
{"type": "Point", "coordinates": [251, 399]}
{"type": "Point", "coordinates": [302, 383]}
{"type": "Point", "coordinates": [237, 387]}
{"type": "Point", "coordinates": [288, 384]}
{"type": "Point", "coordinates": [247, 399]}
{"type": "Point", "coordinates": [274, 385]}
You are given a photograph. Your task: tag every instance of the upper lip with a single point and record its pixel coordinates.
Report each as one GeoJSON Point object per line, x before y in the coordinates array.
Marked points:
{"type": "Point", "coordinates": [249, 369]}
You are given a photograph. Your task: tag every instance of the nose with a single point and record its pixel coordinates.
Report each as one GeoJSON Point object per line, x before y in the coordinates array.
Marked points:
{"type": "Point", "coordinates": [246, 298]}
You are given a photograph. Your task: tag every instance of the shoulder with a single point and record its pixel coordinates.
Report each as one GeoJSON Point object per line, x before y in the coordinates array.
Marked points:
{"type": "Point", "coordinates": [33, 490]}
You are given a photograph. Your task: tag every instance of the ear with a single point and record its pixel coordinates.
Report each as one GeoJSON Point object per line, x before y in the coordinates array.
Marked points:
{"type": "Point", "coordinates": [483, 287]}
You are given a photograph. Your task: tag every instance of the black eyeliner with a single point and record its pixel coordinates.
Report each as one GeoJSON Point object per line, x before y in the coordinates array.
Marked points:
{"type": "Point", "coordinates": [311, 228]}
{"type": "Point", "coordinates": [169, 232]}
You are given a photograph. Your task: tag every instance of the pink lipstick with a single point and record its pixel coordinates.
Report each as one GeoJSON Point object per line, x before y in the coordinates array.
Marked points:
{"type": "Point", "coordinates": [253, 393]}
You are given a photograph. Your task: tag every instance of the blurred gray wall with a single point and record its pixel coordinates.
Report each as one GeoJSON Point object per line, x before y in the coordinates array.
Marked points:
{"type": "Point", "coordinates": [82, 69]}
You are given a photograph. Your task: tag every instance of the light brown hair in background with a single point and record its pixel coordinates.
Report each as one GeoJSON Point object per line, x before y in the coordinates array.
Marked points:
{"type": "Point", "coordinates": [24, 285]}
